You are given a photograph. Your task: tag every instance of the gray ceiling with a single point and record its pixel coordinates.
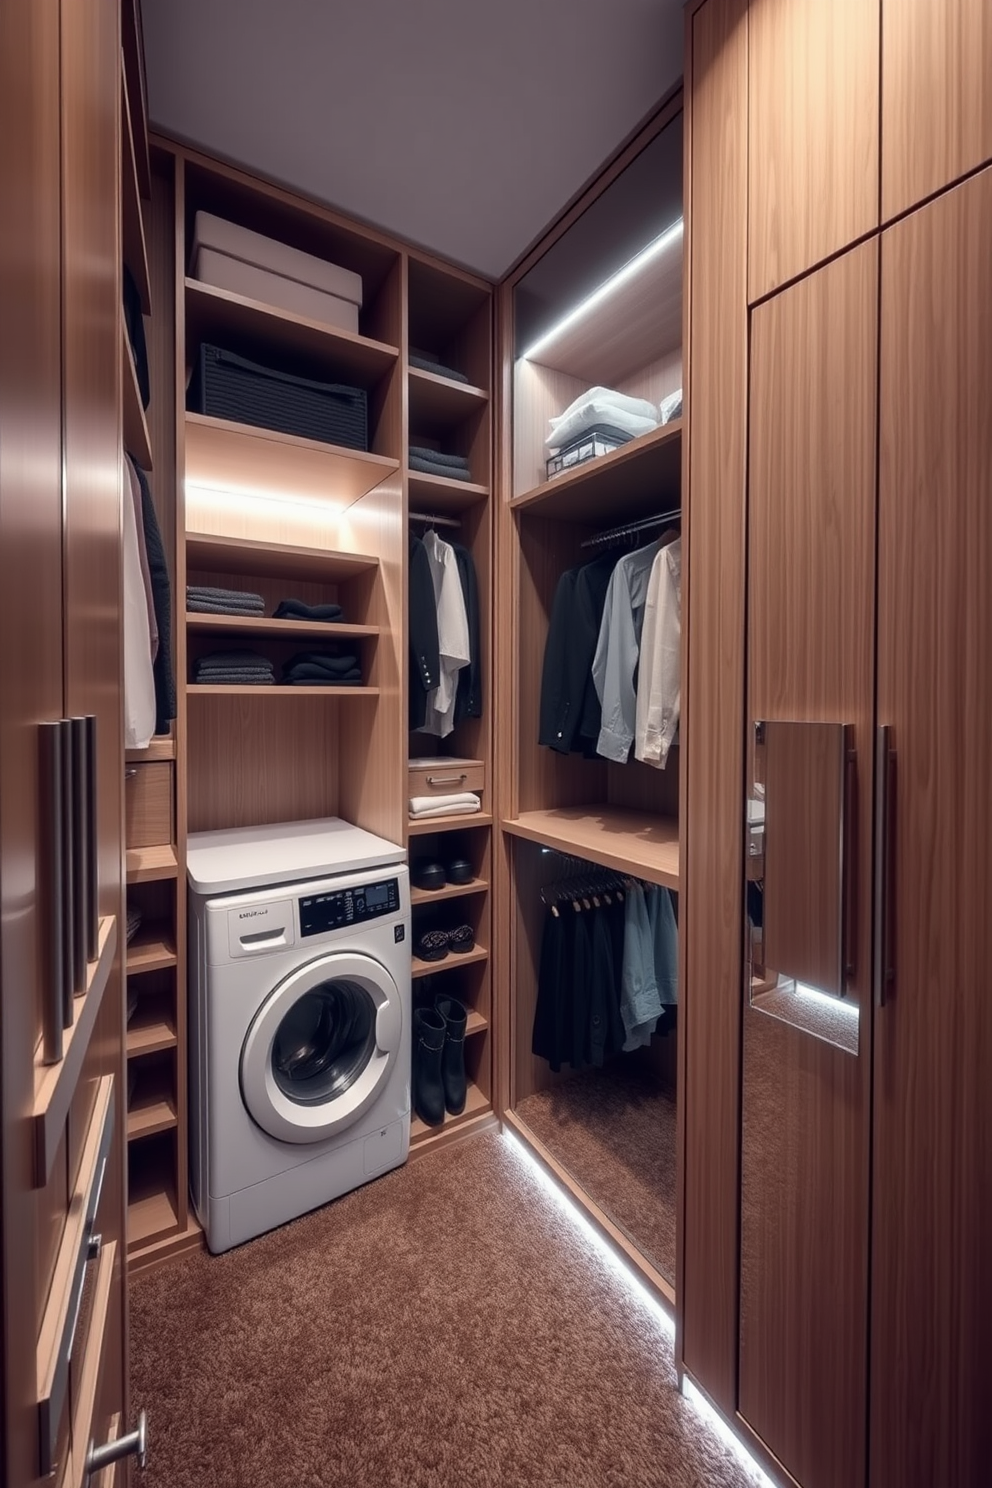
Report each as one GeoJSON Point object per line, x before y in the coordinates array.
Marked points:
{"type": "Point", "coordinates": [462, 125]}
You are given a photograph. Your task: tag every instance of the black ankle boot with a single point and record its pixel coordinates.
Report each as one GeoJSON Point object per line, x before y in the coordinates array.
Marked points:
{"type": "Point", "coordinates": [455, 1017]}
{"type": "Point", "coordinates": [428, 1048]}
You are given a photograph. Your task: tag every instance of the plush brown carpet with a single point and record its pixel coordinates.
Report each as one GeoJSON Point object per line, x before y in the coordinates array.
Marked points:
{"type": "Point", "coordinates": [442, 1328]}
{"type": "Point", "coordinates": [613, 1130]}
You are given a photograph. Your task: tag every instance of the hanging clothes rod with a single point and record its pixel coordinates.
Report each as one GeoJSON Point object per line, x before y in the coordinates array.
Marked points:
{"type": "Point", "coordinates": [628, 529]}
{"type": "Point", "coordinates": [434, 521]}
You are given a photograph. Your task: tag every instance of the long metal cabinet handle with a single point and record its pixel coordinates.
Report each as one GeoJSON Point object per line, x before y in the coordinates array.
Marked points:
{"type": "Point", "coordinates": [885, 779]}
{"type": "Point", "coordinates": [80, 850]}
{"type": "Point", "coordinates": [53, 926]}
{"type": "Point", "coordinates": [849, 866]}
{"type": "Point", "coordinates": [68, 875]}
{"type": "Point", "coordinates": [92, 859]}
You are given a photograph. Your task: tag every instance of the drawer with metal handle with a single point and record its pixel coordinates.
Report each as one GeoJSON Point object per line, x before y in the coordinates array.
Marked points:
{"type": "Point", "coordinates": [445, 777]}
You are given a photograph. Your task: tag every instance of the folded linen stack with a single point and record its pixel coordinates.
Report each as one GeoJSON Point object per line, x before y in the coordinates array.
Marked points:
{"type": "Point", "coordinates": [429, 361]}
{"type": "Point", "coordinates": [234, 669]}
{"type": "Point", "coordinates": [206, 600]}
{"type": "Point", "coordinates": [295, 609]}
{"type": "Point", "coordinates": [462, 803]}
{"type": "Point", "coordinates": [671, 407]}
{"type": "Point", "coordinates": [435, 462]}
{"type": "Point", "coordinates": [602, 410]}
{"type": "Point", "coordinates": [314, 669]}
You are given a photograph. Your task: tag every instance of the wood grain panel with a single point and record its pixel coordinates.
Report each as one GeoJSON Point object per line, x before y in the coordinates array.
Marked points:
{"type": "Point", "coordinates": [712, 725]}
{"type": "Point", "coordinates": [805, 1104]}
{"type": "Point", "coordinates": [932, 1226]}
{"type": "Point", "coordinates": [813, 133]}
{"type": "Point", "coordinates": [936, 111]}
{"type": "Point", "coordinates": [148, 816]}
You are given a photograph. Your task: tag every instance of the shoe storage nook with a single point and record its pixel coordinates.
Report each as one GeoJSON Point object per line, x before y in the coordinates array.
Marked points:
{"type": "Point", "coordinates": [717, 751]}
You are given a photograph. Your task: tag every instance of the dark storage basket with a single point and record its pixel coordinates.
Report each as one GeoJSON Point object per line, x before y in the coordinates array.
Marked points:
{"type": "Point", "coordinates": [226, 386]}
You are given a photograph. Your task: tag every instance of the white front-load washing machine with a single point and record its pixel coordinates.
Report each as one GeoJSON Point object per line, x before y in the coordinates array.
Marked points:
{"type": "Point", "coordinates": [300, 1016]}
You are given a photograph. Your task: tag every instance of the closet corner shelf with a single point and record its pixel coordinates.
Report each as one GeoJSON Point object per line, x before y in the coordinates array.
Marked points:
{"type": "Point", "coordinates": [438, 403]}
{"type": "Point", "coordinates": [435, 493]}
{"type": "Point", "coordinates": [151, 1028]}
{"type": "Point", "coordinates": [616, 837]}
{"type": "Point", "coordinates": [276, 629]}
{"type": "Point", "coordinates": [450, 891]}
{"type": "Point", "coordinates": [233, 320]}
{"type": "Point", "coordinates": [55, 1084]}
{"type": "Point", "coordinates": [163, 748]}
{"type": "Point", "coordinates": [448, 962]}
{"type": "Point", "coordinates": [150, 1111]}
{"type": "Point", "coordinates": [226, 456]}
{"type": "Point", "coordinates": [150, 950]}
{"type": "Point", "coordinates": [207, 689]}
{"type": "Point", "coordinates": [144, 864]}
{"type": "Point", "coordinates": [476, 1104]}
{"type": "Point", "coordinates": [237, 555]}
{"type": "Point", "coordinates": [425, 824]}
{"type": "Point", "coordinates": [133, 228]}
{"type": "Point", "coordinates": [151, 1213]}
{"type": "Point", "coordinates": [638, 479]}
{"type": "Point", "coordinates": [136, 439]}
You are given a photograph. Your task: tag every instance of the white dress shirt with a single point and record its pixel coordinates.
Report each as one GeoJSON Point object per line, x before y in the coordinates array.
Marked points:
{"type": "Point", "coordinates": [452, 635]}
{"type": "Point", "coordinates": [659, 679]}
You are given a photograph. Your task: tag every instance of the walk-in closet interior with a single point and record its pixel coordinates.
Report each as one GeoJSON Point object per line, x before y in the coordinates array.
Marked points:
{"type": "Point", "coordinates": [444, 703]}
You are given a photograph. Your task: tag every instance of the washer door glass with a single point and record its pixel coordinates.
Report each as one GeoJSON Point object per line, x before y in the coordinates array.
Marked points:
{"type": "Point", "coordinates": [321, 1047]}
{"type": "Point", "coordinates": [324, 1042]}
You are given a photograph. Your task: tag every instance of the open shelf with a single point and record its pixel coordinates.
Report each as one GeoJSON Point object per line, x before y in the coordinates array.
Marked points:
{"type": "Point", "coordinates": [163, 748]}
{"type": "Point", "coordinates": [152, 1107]}
{"type": "Point", "coordinates": [206, 689]}
{"type": "Point", "coordinates": [136, 439]}
{"type": "Point", "coordinates": [435, 493]}
{"type": "Point", "coordinates": [248, 327]}
{"type": "Point", "coordinates": [273, 560]}
{"type": "Point", "coordinates": [476, 1023]}
{"type": "Point", "coordinates": [150, 1212]}
{"type": "Point", "coordinates": [439, 403]}
{"type": "Point", "coordinates": [241, 457]}
{"type": "Point", "coordinates": [637, 480]}
{"type": "Point", "coordinates": [144, 864]}
{"type": "Point", "coordinates": [151, 1027]}
{"type": "Point", "coordinates": [448, 962]}
{"type": "Point", "coordinates": [289, 630]}
{"type": "Point", "coordinates": [475, 1104]}
{"type": "Point", "coordinates": [627, 841]}
{"type": "Point", "coordinates": [135, 246]}
{"type": "Point", "coordinates": [450, 891]}
{"type": "Point", "coordinates": [151, 949]}
{"type": "Point", "coordinates": [425, 824]}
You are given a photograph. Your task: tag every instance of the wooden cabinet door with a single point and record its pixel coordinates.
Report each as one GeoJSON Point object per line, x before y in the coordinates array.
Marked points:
{"type": "Point", "coordinates": [930, 1421]}
{"type": "Point", "coordinates": [936, 105]}
{"type": "Point", "coordinates": [813, 133]}
{"type": "Point", "coordinates": [805, 1103]}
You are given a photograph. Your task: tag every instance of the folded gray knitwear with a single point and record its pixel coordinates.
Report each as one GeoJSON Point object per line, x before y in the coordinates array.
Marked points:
{"type": "Point", "coordinates": [222, 607]}
{"type": "Point", "coordinates": [427, 361]}
{"type": "Point", "coordinates": [433, 467]}
{"type": "Point", "coordinates": [235, 679]}
{"type": "Point", "coordinates": [421, 452]}
{"type": "Point", "coordinates": [208, 591]}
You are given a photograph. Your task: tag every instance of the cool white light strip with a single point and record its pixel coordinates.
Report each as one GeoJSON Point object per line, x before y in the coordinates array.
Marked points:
{"type": "Point", "coordinates": [651, 1306]}
{"type": "Point", "coordinates": [835, 1004]}
{"type": "Point", "coordinates": [670, 235]}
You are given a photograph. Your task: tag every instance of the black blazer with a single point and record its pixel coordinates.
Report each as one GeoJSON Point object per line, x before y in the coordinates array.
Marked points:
{"type": "Point", "coordinates": [425, 659]}
{"type": "Point", "coordinates": [158, 572]}
{"type": "Point", "coordinates": [570, 711]}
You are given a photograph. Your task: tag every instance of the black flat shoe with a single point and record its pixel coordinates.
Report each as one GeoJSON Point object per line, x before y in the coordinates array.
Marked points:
{"type": "Point", "coordinates": [428, 875]}
{"type": "Point", "coordinates": [459, 871]}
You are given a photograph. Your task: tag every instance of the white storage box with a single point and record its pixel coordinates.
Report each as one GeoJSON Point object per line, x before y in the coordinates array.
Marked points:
{"type": "Point", "coordinates": [248, 263]}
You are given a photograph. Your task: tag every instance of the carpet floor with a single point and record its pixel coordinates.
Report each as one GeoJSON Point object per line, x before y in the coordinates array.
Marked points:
{"type": "Point", "coordinates": [444, 1327]}
{"type": "Point", "coordinates": [613, 1130]}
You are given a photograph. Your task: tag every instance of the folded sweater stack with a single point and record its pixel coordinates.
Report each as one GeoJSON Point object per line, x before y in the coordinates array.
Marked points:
{"type": "Point", "coordinates": [234, 668]}
{"type": "Point", "coordinates": [435, 462]}
{"type": "Point", "coordinates": [314, 669]}
{"type": "Point", "coordinates": [295, 609]}
{"type": "Point", "coordinates": [461, 803]}
{"type": "Point", "coordinates": [429, 361]}
{"type": "Point", "coordinates": [204, 599]}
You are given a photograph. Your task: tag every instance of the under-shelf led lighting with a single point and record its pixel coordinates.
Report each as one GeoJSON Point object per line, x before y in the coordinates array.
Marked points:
{"type": "Point", "coordinates": [633, 266]}
{"type": "Point", "coordinates": [648, 1302]}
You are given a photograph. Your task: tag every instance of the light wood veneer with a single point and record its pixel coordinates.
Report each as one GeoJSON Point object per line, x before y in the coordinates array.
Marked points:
{"type": "Point", "coordinates": [626, 840]}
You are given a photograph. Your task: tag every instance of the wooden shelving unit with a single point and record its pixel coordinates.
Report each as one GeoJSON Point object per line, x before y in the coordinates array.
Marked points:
{"type": "Point", "coordinates": [441, 403]}
{"type": "Point", "coordinates": [206, 689]}
{"type": "Point", "coordinates": [637, 480]}
{"type": "Point", "coordinates": [280, 630]}
{"type": "Point", "coordinates": [429, 824]}
{"type": "Point", "coordinates": [159, 749]}
{"type": "Point", "coordinates": [133, 226]}
{"type": "Point", "coordinates": [279, 560]}
{"type": "Point", "coordinates": [136, 439]}
{"type": "Point", "coordinates": [151, 1027]}
{"type": "Point", "coordinates": [476, 1104]}
{"type": "Point", "coordinates": [449, 962]}
{"type": "Point", "coordinates": [152, 1108]}
{"type": "Point", "coordinates": [151, 949]}
{"type": "Point", "coordinates": [437, 494]}
{"type": "Point", "coordinates": [449, 891]}
{"type": "Point", "coordinates": [615, 837]}
{"type": "Point", "coordinates": [146, 864]}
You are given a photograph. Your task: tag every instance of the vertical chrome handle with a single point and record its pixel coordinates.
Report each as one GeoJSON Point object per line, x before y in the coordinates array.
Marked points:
{"type": "Point", "coordinates": [885, 780]}
{"type": "Point", "coordinates": [53, 927]}
{"type": "Point", "coordinates": [80, 853]}
{"type": "Point", "coordinates": [68, 876]}
{"type": "Point", "coordinates": [92, 859]}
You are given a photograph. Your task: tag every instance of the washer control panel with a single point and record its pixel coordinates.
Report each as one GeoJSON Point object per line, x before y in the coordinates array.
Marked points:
{"type": "Point", "coordinates": [341, 907]}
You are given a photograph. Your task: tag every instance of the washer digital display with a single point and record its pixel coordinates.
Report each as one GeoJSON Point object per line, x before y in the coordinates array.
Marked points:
{"type": "Point", "coordinates": [339, 907]}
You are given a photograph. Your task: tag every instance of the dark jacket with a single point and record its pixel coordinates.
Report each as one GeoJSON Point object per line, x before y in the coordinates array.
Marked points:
{"type": "Point", "coordinates": [158, 571]}
{"type": "Point", "coordinates": [425, 660]}
{"type": "Point", "coordinates": [468, 698]}
{"type": "Point", "coordinates": [569, 712]}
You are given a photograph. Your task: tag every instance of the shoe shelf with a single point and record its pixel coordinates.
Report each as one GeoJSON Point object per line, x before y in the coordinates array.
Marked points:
{"type": "Point", "coordinates": [450, 891]}
{"type": "Point", "coordinates": [476, 1104]}
{"type": "Point", "coordinates": [426, 824]}
{"type": "Point", "coordinates": [151, 1027]}
{"type": "Point", "coordinates": [447, 963]}
{"type": "Point", "coordinates": [145, 864]}
{"type": "Point", "coordinates": [247, 326]}
{"type": "Point", "coordinates": [152, 1107]}
{"type": "Point", "coordinates": [151, 1208]}
{"type": "Point", "coordinates": [151, 949]}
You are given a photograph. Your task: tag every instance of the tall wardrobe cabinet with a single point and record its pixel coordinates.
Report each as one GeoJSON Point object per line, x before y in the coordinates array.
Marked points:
{"type": "Point", "coordinates": [841, 1194]}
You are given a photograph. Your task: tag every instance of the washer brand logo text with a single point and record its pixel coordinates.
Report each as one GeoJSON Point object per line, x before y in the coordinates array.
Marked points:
{"type": "Point", "coordinates": [251, 914]}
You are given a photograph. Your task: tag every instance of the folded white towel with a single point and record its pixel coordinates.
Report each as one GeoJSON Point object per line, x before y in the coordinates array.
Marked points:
{"type": "Point", "coordinates": [634, 416]}
{"type": "Point", "coordinates": [460, 804]}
